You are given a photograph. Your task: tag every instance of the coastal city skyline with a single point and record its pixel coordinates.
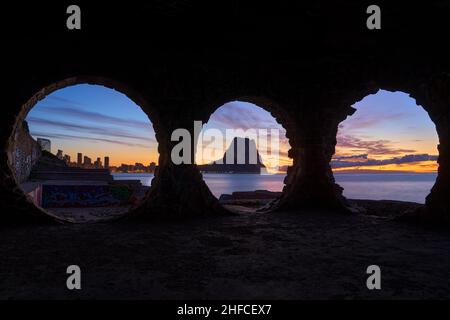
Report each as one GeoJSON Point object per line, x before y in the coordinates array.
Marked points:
{"type": "Point", "coordinates": [86, 162]}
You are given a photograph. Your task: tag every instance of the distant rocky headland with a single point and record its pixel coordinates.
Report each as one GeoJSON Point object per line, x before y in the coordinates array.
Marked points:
{"type": "Point", "coordinates": [240, 163]}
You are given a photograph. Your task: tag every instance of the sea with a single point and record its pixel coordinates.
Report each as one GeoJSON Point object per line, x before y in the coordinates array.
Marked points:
{"type": "Point", "coordinates": [413, 187]}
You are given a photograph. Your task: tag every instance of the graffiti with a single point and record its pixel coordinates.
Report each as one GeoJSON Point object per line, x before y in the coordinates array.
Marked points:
{"type": "Point", "coordinates": [35, 195]}
{"type": "Point", "coordinates": [121, 193]}
{"type": "Point", "coordinates": [26, 153]}
{"type": "Point", "coordinates": [59, 196]}
{"type": "Point", "coordinates": [22, 164]}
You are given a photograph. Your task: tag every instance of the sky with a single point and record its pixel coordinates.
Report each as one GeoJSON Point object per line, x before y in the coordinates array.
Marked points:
{"type": "Point", "coordinates": [388, 131]}
{"type": "Point", "coordinates": [96, 121]}
{"type": "Point", "coordinates": [384, 133]}
{"type": "Point", "coordinates": [245, 116]}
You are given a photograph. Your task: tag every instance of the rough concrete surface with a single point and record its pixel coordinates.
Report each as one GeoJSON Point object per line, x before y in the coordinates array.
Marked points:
{"type": "Point", "coordinates": [295, 255]}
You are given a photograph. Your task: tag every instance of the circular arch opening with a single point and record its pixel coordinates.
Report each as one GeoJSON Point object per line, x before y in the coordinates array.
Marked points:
{"type": "Point", "coordinates": [242, 153]}
{"type": "Point", "coordinates": [84, 150]}
{"type": "Point", "coordinates": [387, 150]}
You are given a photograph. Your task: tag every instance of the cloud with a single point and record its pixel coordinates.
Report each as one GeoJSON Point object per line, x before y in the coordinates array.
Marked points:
{"type": "Point", "coordinates": [369, 120]}
{"type": "Point", "coordinates": [60, 99]}
{"type": "Point", "coordinates": [238, 115]}
{"type": "Point", "coordinates": [74, 137]}
{"type": "Point", "coordinates": [352, 157]}
{"type": "Point", "coordinates": [379, 147]}
{"type": "Point", "coordinates": [409, 158]}
{"type": "Point", "coordinates": [104, 131]}
{"type": "Point", "coordinates": [96, 116]}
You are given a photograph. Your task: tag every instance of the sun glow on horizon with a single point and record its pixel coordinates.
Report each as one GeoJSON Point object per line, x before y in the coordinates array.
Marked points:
{"type": "Point", "coordinates": [414, 167]}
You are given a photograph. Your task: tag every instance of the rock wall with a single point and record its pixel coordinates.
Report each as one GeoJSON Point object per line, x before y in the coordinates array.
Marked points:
{"type": "Point", "coordinates": [24, 152]}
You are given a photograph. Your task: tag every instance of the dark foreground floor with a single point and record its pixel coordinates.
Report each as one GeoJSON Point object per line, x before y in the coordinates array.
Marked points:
{"type": "Point", "coordinates": [280, 256]}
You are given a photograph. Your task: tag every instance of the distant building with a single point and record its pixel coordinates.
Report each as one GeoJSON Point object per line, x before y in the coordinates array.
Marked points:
{"type": "Point", "coordinates": [79, 159]}
{"type": "Point", "coordinates": [139, 167]}
{"type": "Point", "coordinates": [66, 158]}
{"type": "Point", "coordinates": [98, 163]}
{"type": "Point", "coordinates": [125, 167]}
{"type": "Point", "coordinates": [45, 144]}
{"type": "Point", "coordinates": [106, 162]}
{"type": "Point", "coordinates": [60, 155]}
{"type": "Point", "coordinates": [87, 162]}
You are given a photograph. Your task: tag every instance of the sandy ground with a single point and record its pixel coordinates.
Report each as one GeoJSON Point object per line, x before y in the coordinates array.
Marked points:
{"type": "Point", "coordinates": [297, 255]}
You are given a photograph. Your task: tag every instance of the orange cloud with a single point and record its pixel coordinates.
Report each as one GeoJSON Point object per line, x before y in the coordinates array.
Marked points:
{"type": "Point", "coordinates": [418, 167]}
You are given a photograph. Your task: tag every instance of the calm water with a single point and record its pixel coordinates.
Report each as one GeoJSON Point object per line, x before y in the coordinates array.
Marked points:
{"type": "Point", "coordinates": [390, 186]}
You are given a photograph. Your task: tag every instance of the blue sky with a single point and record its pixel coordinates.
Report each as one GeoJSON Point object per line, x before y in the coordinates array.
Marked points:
{"type": "Point", "coordinates": [97, 121]}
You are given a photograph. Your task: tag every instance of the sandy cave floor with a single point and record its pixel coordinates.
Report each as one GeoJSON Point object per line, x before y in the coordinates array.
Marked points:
{"type": "Point", "coordinates": [90, 214]}
{"type": "Point", "coordinates": [292, 255]}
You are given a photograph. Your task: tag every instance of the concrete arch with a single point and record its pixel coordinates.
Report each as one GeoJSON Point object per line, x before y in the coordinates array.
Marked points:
{"type": "Point", "coordinates": [20, 199]}
{"type": "Point", "coordinates": [276, 110]}
{"type": "Point", "coordinates": [417, 89]}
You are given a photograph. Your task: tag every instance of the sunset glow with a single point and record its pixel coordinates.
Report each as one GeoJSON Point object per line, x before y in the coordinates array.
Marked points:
{"type": "Point", "coordinates": [245, 116]}
{"type": "Point", "coordinates": [388, 132]}
{"type": "Point", "coordinates": [97, 122]}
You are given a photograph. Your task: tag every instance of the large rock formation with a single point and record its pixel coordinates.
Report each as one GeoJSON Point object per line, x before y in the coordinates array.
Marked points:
{"type": "Point", "coordinates": [241, 156]}
{"type": "Point", "coordinates": [305, 62]}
